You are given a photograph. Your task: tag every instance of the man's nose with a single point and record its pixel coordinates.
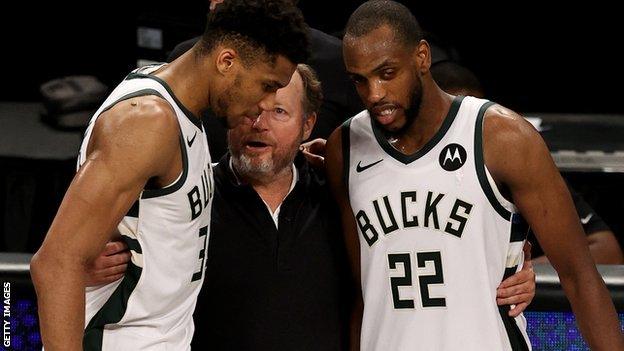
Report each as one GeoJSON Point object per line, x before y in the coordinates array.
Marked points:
{"type": "Point", "coordinates": [376, 91]}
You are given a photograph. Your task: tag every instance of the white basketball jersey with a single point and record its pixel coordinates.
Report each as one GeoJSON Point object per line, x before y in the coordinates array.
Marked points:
{"type": "Point", "coordinates": [151, 307]}
{"type": "Point", "coordinates": [436, 238]}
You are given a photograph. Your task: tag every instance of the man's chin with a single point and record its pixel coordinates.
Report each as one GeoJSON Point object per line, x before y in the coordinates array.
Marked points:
{"type": "Point", "coordinates": [395, 127]}
{"type": "Point", "coordinates": [254, 163]}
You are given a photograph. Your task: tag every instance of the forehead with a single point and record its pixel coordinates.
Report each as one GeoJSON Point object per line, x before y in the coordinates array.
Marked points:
{"type": "Point", "coordinates": [361, 54]}
{"type": "Point", "coordinates": [291, 94]}
{"type": "Point", "coordinates": [280, 70]}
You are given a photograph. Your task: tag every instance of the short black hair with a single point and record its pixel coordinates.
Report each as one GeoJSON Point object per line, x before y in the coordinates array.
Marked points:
{"type": "Point", "coordinates": [375, 13]}
{"type": "Point", "coordinates": [274, 26]}
{"type": "Point", "coordinates": [451, 76]}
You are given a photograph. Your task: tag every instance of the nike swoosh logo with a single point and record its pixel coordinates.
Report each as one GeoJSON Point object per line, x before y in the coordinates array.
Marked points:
{"type": "Point", "coordinates": [190, 142]}
{"type": "Point", "coordinates": [361, 168]}
{"type": "Point", "coordinates": [586, 219]}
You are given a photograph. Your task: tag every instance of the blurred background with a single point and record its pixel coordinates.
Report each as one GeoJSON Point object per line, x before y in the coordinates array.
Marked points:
{"type": "Point", "coordinates": [561, 64]}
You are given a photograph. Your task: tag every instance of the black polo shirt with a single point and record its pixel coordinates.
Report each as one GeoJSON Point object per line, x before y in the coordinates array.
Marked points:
{"type": "Point", "coordinates": [268, 288]}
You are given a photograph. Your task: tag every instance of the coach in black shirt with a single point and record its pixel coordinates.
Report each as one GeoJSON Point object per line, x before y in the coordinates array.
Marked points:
{"type": "Point", "coordinates": [268, 286]}
{"type": "Point", "coordinates": [276, 276]}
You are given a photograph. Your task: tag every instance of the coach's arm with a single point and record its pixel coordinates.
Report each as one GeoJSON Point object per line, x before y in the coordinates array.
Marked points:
{"type": "Point", "coordinates": [527, 172]}
{"type": "Point", "coordinates": [134, 142]}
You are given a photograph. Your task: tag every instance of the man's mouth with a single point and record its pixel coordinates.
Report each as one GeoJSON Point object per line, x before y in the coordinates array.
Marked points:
{"type": "Point", "coordinates": [385, 114]}
{"type": "Point", "coordinates": [256, 146]}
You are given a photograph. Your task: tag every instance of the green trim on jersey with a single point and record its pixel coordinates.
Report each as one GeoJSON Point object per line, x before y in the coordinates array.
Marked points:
{"type": "Point", "coordinates": [516, 339]}
{"type": "Point", "coordinates": [142, 92]}
{"type": "Point", "coordinates": [189, 115]}
{"type": "Point", "coordinates": [151, 193]}
{"type": "Point", "coordinates": [346, 152]}
{"type": "Point", "coordinates": [519, 228]}
{"type": "Point", "coordinates": [134, 210]}
{"type": "Point", "coordinates": [133, 244]}
{"type": "Point", "coordinates": [480, 165]}
{"type": "Point", "coordinates": [114, 308]}
{"type": "Point", "coordinates": [518, 232]}
{"type": "Point", "coordinates": [406, 159]}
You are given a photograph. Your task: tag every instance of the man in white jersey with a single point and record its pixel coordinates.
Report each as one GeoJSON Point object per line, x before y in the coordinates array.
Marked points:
{"type": "Point", "coordinates": [144, 164]}
{"type": "Point", "coordinates": [434, 191]}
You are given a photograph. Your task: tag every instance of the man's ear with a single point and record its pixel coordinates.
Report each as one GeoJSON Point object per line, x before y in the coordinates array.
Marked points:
{"type": "Point", "coordinates": [225, 60]}
{"type": "Point", "coordinates": [308, 125]}
{"type": "Point", "coordinates": [422, 56]}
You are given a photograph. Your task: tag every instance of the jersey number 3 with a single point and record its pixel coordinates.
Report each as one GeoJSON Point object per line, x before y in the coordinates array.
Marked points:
{"type": "Point", "coordinates": [203, 232]}
{"type": "Point", "coordinates": [423, 280]}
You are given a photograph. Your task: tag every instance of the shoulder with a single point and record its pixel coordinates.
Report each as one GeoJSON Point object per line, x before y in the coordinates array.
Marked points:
{"type": "Point", "coordinates": [141, 127]}
{"type": "Point", "coordinates": [502, 125]}
{"type": "Point", "coordinates": [510, 143]}
{"type": "Point", "coordinates": [507, 132]}
{"type": "Point", "coordinates": [141, 114]}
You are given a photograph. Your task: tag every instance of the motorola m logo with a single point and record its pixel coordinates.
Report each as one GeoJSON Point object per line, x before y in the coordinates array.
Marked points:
{"type": "Point", "coordinates": [452, 157]}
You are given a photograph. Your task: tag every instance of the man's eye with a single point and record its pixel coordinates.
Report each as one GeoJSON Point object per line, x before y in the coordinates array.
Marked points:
{"type": "Point", "coordinates": [387, 74]}
{"type": "Point", "coordinates": [357, 80]}
{"type": "Point", "coordinates": [279, 110]}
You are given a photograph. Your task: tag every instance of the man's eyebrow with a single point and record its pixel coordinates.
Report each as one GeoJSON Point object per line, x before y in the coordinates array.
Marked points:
{"type": "Point", "coordinates": [386, 62]}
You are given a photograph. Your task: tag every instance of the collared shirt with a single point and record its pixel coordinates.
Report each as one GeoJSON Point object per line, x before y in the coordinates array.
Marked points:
{"type": "Point", "coordinates": [293, 182]}
{"type": "Point", "coordinates": [269, 287]}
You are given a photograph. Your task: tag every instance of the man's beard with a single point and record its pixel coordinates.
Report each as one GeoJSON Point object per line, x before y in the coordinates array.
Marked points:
{"type": "Point", "coordinates": [245, 166]}
{"type": "Point", "coordinates": [269, 167]}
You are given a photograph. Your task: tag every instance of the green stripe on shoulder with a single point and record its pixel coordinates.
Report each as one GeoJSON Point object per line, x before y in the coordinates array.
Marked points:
{"type": "Point", "coordinates": [138, 93]}
{"type": "Point", "coordinates": [480, 164]}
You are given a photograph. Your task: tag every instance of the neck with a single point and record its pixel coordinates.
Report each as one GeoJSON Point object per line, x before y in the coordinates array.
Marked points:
{"type": "Point", "coordinates": [189, 81]}
{"type": "Point", "coordinates": [434, 107]}
{"type": "Point", "coordinates": [272, 188]}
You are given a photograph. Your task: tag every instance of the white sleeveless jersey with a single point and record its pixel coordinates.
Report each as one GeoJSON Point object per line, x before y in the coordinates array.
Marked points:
{"type": "Point", "coordinates": [436, 238]}
{"type": "Point", "coordinates": [151, 307]}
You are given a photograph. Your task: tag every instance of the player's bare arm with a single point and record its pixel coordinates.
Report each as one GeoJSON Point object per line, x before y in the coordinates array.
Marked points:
{"type": "Point", "coordinates": [133, 144]}
{"type": "Point", "coordinates": [334, 168]}
{"type": "Point", "coordinates": [520, 163]}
